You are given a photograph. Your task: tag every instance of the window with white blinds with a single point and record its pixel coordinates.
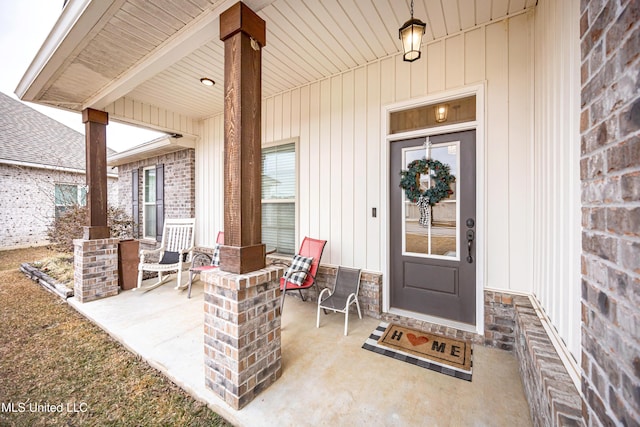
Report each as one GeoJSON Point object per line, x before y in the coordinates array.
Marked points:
{"type": "Point", "coordinates": [279, 197]}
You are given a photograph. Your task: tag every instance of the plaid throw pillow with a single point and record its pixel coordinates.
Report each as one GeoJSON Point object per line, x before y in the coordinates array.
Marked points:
{"type": "Point", "coordinates": [297, 272]}
{"type": "Point", "coordinates": [215, 259]}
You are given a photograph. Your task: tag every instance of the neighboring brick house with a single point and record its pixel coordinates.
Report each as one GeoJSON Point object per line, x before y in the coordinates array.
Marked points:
{"type": "Point", "coordinates": [42, 168]}
{"type": "Point", "coordinates": [156, 180]}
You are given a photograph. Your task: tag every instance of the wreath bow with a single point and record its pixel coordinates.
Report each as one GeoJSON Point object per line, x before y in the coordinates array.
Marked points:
{"type": "Point", "coordinates": [442, 179]}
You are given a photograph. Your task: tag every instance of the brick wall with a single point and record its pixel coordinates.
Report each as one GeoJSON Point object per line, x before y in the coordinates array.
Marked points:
{"type": "Point", "coordinates": [27, 203]}
{"type": "Point", "coordinates": [552, 396]}
{"type": "Point", "coordinates": [369, 295]}
{"type": "Point", "coordinates": [95, 269]}
{"type": "Point", "coordinates": [179, 184]}
{"type": "Point", "coordinates": [610, 174]}
{"type": "Point", "coordinates": [512, 323]}
{"type": "Point", "coordinates": [500, 319]}
{"type": "Point", "coordinates": [242, 343]}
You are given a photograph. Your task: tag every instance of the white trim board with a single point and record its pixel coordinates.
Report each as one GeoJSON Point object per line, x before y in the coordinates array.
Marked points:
{"type": "Point", "coordinates": [479, 125]}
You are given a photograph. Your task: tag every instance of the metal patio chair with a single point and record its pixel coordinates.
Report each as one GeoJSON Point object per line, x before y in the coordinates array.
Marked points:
{"type": "Point", "coordinates": [212, 262]}
{"type": "Point", "coordinates": [296, 278]}
{"type": "Point", "coordinates": [175, 252]}
{"type": "Point", "coordinates": [344, 293]}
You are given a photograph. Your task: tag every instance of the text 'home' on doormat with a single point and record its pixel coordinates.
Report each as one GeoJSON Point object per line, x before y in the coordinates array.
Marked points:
{"type": "Point", "coordinates": [446, 355]}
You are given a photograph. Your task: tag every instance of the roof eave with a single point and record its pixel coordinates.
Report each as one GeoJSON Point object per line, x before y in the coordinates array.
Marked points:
{"type": "Point", "coordinates": [77, 19]}
{"type": "Point", "coordinates": [157, 147]}
{"type": "Point", "coordinates": [49, 167]}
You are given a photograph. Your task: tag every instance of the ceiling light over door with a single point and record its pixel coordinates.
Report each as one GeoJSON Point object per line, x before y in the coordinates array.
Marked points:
{"type": "Point", "coordinates": [411, 36]}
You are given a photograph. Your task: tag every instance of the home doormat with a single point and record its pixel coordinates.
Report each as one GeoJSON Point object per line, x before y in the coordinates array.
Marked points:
{"type": "Point", "coordinates": [446, 355]}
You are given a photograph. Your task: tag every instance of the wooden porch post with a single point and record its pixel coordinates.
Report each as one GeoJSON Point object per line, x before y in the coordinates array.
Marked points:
{"type": "Point", "coordinates": [96, 171]}
{"type": "Point", "coordinates": [244, 35]}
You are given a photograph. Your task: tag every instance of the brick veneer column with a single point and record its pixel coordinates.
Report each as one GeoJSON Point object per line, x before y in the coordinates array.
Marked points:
{"type": "Point", "coordinates": [95, 265]}
{"type": "Point", "coordinates": [610, 174]}
{"type": "Point", "coordinates": [242, 333]}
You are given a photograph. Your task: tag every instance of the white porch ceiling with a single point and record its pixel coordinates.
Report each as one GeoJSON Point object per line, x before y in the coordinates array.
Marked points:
{"type": "Point", "coordinates": [155, 52]}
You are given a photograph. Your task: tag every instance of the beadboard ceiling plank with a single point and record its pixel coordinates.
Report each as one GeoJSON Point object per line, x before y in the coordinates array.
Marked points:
{"type": "Point", "coordinates": [121, 33]}
{"type": "Point", "coordinates": [363, 25]}
{"type": "Point", "coordinates": [151, 17]}
{"type": "Point", "coordinates": [138, 26]}
{"type": "Point", "coordinates": [516, 5]}
{"type": "Point", "coordinates": [467, 11]}
{"type": "Point", "coordinates": [299, 45]}
{"type": "Point", "coordinates": [333, 16]}
{"type": "Point", "coordinates": [499, 8]}
{"type": "Point", "coordinates": [451, 16]}
{"type": "Point", "coordinates": [315, 33]}
{"type": "Point", "coordinates": [307, 40]}
{"type": "Point", "coordinates": [483, 11]}
{"type": "Point", "coordinates": [390, 20]}
{"type": "Point", "coordinates": [184, 11]}
{"type": "Point", "coordinates": [433, 10]}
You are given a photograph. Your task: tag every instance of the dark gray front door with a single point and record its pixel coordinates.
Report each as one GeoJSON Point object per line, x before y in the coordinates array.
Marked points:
{"type": "Point", "coordinates": [432, 268]}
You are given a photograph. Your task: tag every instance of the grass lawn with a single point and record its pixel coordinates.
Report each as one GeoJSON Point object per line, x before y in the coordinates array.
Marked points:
{"type": "Point", "coordinates": [52, 358]}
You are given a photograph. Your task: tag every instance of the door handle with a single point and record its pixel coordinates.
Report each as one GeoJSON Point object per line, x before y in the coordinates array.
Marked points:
{"type": "Point", "coordinates": [470, 238]}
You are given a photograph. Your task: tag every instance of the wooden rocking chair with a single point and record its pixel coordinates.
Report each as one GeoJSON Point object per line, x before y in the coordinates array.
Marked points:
{"type": "Point", "coordinates": [175, 252]}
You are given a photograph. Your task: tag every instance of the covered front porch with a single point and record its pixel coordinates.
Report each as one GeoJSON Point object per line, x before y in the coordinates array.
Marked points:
{"type": "Point", "coordinates": [327, 378]}
{"type": "Point", "coordinates": [539, 260]}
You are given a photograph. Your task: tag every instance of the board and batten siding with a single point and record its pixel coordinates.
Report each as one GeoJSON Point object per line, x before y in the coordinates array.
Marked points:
{"type": "Point", "coordinates": [527, 63]}
{"type": "Point", "coordinates": [150, 116]}
{"type": "Point", "coordinates": [337, 121]}
{"type": "Point", "coordinates": [557, 217]}
{"type": "Point", "coordinates": [209, 171]}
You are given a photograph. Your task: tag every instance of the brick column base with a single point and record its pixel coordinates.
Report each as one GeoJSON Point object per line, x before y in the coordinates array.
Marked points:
{"type": "Point", "coordinates": [95, 265]}
{"type": "Point", "coordinates": [242, 333]}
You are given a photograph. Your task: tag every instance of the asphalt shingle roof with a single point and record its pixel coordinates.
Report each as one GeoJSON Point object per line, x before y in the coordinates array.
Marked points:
{"type": "Point", "coordinates": [27, 135]}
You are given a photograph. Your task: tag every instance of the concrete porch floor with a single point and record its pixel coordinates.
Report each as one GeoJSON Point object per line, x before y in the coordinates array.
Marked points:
{"type": "Point", "coordinates": [327, 379]}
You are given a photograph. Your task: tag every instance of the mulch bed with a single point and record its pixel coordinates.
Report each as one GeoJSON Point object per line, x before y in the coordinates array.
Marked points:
{"type": "Point", "coordinates": [57, 368]}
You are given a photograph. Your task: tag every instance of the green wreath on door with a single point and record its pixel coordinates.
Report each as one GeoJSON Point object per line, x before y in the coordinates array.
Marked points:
{"type": "Point", "coordinates": [441, 178]}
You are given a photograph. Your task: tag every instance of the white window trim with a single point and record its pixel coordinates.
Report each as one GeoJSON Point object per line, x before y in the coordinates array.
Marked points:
{"type": "Point", "coordinates": [145, 203]}
{"type": "Point", "coordinates": [479, 90]}
{"type": "Point", "coordinates": [296, 226]}
{"type": "Point", "coordinates": [79, 188]}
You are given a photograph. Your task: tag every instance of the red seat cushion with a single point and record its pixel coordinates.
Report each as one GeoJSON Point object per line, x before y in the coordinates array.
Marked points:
{"type": "Point", "coordinates": [305, 285]}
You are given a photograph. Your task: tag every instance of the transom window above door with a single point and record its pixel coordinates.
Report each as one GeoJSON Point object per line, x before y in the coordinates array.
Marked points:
{"type": "Point", "coordinates": [437, 114]}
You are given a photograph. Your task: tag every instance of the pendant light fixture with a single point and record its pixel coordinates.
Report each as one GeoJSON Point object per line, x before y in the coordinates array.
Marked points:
{"type": "Point", "coordinates": [411, 36]}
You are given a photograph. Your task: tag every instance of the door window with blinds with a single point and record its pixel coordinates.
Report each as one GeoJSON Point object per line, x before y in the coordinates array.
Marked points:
{"type": "Point", "coordinates": [279, 197]}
